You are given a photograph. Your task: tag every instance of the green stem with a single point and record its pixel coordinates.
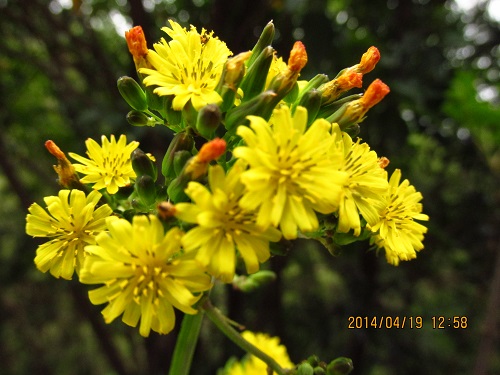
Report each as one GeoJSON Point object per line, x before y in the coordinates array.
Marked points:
{"type": "Point", "coordinates": [186, 344]}
{"type": "Point", "coordinates": [222, 323]}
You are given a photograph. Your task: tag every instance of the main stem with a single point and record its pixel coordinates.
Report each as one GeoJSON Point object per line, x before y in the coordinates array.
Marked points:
{"type": "Point", "coordinates": [186, 344]}
{"type": "Point", "coordinates": [222, 323]}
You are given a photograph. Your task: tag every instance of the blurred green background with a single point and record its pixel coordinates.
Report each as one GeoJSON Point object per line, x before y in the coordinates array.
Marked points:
{"type": "Point", "coordinates": [59, 62]}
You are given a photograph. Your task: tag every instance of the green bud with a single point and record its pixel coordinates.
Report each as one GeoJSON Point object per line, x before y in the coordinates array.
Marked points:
{"type": "Point", "coordinates": [181, 141]}
{"type": "Point", "coordinates": [319, 371]}
{"type": "Point", "coordinates": [261, 105]}
{"type": "Point", "coordinates": [265, 39]}
{"type": "Point", "coordinates": [333, 108]}
{"type": "Point", "coordinates": [232, 75]}
{"type": "Point", "coordinates": [137, 118]}
{"type": "Point", "coordinates": [311, 101]}
{"type": "Point", "coordinates": [172, 116]}
{"type": "Point", "coordinates": [146, 189]}
{"type": "Point", "coordinates": [340, 366]}
{"type": "Point", "coordinates": [254, 81]}
{"type": "Point", "coordinates": [142, 164]}
{"type": "Point", "coordinates": [254, 281]}
{"type": "Point", "coordinates": [313, 360]}
{"type": "Point", "coordinates": [209, 118]}
{"type": "Point", "coordinates": [132, 92]}
{"type": "Point", "coordinates": [305, 369]}
{"type": "Point", "coordinates": [176, 189]}
{"type": "Point", "coordinates": [180, 159]}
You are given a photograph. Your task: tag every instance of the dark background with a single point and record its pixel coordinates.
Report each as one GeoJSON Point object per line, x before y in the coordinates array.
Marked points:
{"type": "Point", "coordinates": [59, 62]}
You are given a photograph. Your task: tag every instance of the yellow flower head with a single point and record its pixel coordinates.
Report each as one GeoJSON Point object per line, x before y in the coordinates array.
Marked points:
{"type": "Point", "coordinates": [251, 365]}
{"type": "Point", "coordinates": [292, 173]}
{"type": "Point", "coordinates": [364, 190]}
{"type": "Point", "coordinates": [144, 273]}
{"type": "Point", "coordinates": [109, 166]}
{"type": "Point", "coordinates": [223, 226]}
{"type": "Point", "coordinates": [397, 231]}
{"type": "Point", "coordinates": [72, 221]}
{"type": "Point", "coordinates": [188, 67]}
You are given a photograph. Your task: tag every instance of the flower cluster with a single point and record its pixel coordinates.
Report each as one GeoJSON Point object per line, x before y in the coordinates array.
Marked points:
{"type": "Point", "coordinates": [280, 159]}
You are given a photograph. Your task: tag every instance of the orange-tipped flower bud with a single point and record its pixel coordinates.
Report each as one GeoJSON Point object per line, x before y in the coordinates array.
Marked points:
{"type": "Point", "coordinates": [211, 150]}
{"type": "Point", "coordinates": [65, 170]}
{"type": "Point", "coordinates": [136, 42]}
{"type": "Point", "coordinates": [298, 57]}
{"type": "Point", "coordinates": [368, 61]}
{"type": "Point", "coordinates": [374, 93]}
{"type": "Point", "coordinates": [344, 82]}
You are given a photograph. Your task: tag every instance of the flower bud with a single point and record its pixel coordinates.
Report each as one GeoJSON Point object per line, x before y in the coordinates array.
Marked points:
{"type": "Point", "coordinates": [180, 159]}
{"type": "Point", "coordinates": [68, 178]}
{"type": "Point", "coordinates": [254, 281]}
{"type": "Point", "coordinates": [176, 189]}
{"type": "Point", "coordinates": [137, 118]}
{"type": "Point", "coordinates": [146, 189]}
{"type": "Point", "coordinates": [342, 83]}
{"type": "Point", "coordinates": [305, 369]}
{"type": "Point", "coordinates": [209, 119]}
{"type": "Point", "coordinates": [265, 39]}
{"type": "Point", "coordinates": [340, 366]}
{"type": "Point", "coordinates": [232, 75]}
{"type": "Point", "coordinates": [142, 164]}
{"type": "Point", "coordinates": [181, 141]}
{"type": "Point", "coordinates": [133, 94]}
{"type": "Point", "coordinates": [254, 81]}
{"type": "Point", "coordinates": [368, 61]}
{"type": "Point", "coordinates": [311, 101]}
{"type": "Point", "coordinates": [261, 105]}
{"type": "Point", "coordinates": [137, 46]}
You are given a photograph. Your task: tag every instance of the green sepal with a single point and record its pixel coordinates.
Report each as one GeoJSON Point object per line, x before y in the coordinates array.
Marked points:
{"type": "Point", "coordinates": [146, 189]}
{"type": "Point", "coordinates": [132, 92]}
{"type": "Point", "coordinates": [332, 109]}
{"type": "Point", "coordinates": [172, 116]}
{"type": "Point", "coordinates": [176, 189]}
{"type": "Point", "coordinates": [181, 141]}
{"type": "Point", "coordinates": [180, 159]}
{"type": "Point", "coordinates": [261, 105]}
{"type": "Point", "coordinates": [339, 366]}
{"type": "Point", "coordinates": [255, 79]}
{"type": "Point", "coordinates": [311, 101]}
{"type": "Point", "coordinates": [265, 39]}
{"type": "Point", "coordinates": [143, 165]}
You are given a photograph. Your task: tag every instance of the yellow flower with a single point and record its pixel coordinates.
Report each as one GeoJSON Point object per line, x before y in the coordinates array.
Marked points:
{"type": "Point", "coordinates": [251, 365]}
{"type": "Point", "coordinates": [144, 273]}
{"type": "Point", "coordinates": [223, 226]}
{"type": "Point", "coordinates": [292, 173]}
{"type": "Point", "coordinates": [72, 221]}
{"type": "Point", "coordinates": [397, 231]}
{"type": "Point", "coordinates": [109, 166]}
{"type": "Point", "coordinates": [188, 67]}
{"type": "Point", "coordinates": [363, 191]}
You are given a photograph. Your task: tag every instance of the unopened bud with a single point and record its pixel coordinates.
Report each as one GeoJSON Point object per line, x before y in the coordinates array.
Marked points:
{"type": "Point", "coordinates": [265, 40]}
{"type": "Point", "coordinates": [298, 57]}
{"type": "Point", "coordinates": [305, 369]}
{"type": "Point", "coordinates": [211, 150]}
{"type": "Point", "coordinates": [142, 164]}
{"type": "Point", "coordinates": [181, 141]}
{"type": "Point", "coordinates": [344, 82]}
{"type": "Point", "coordinates": [340, 366]}
{"type": "Point", "coordinates": [254, 281]}
{"type": "Point", "coordinates": [137, 118]}
{"type": "Point", "coordinates": [146, 189]}
{"type": "Point", "coordinates": [68, 177]}
{"type": "Point", "coordinates": [136, 42]}
{"type": "Point", "coordinates": [255, 79]}
{"type": "Point", "coordinates": [368, 61]}
{"type": "Point", "coordinates": [133, 94]}
{"type": "Point", "coordinates": [209, 118]}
